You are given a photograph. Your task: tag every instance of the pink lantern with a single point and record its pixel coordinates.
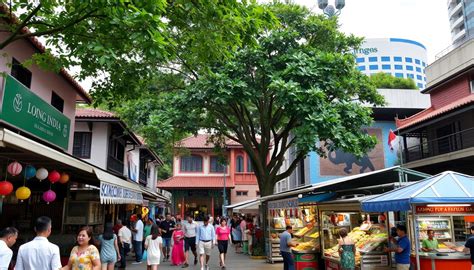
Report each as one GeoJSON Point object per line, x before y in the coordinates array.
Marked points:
{"type": "Point", "coordinates": [49, 196]}
{"type": "Point", "coordinates": [14, 168]}
{"type": "Point", "coordinates": [54, 176]}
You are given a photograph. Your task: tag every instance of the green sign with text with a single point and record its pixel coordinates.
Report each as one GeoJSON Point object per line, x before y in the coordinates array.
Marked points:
{"type": "Point", "coordinates": [28, 112]}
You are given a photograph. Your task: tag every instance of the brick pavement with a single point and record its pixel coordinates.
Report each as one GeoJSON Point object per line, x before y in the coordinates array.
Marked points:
{"type": "Point", "coordinates": [233, 261]}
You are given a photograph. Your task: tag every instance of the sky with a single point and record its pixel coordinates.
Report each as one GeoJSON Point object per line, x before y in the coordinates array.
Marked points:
{"type": "Point", "coordinates": [425, 21]}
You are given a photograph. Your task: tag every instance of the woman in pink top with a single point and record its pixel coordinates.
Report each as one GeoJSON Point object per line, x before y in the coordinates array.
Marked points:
{"type": "Point", "coordinates": [222, 233]}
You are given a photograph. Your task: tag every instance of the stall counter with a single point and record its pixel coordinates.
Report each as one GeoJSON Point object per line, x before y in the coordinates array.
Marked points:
{"type": "Point", "coordinates": [440, 261]}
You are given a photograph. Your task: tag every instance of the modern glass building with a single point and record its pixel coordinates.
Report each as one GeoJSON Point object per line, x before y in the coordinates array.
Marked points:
{"type": "Point", "coordinates": [402, 58]}
{"type": "Point", "coordinates": [461, 20]}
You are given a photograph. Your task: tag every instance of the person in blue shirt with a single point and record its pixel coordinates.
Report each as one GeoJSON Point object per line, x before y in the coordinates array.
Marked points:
{"type": "Point", "coordinates": [285, 249]}
{"type": "Point", "coordinates": [402, 250]}
{"type": "Point", "coordinates": [205, 239]}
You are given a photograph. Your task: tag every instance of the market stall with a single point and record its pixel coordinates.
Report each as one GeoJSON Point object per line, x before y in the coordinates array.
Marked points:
{"type": "Point", "coordinates": [368, 231]}
{"type": "Point", "coordinates": [442, 203]}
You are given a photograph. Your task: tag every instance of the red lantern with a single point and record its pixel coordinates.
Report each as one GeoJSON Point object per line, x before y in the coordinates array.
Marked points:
{"type": "Point", "coordinates": [14, 168]}
{"type": "Point", "coordinates": [64, 178]}
{"type": "Point", "coordinates": [5, 188]}
{"type": "Point", "coordinates": [54, 176]}
{"type": "Point", "coordinates": [49, 196]}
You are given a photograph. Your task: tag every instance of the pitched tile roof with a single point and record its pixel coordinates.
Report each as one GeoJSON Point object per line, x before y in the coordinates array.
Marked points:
{"type": "Point", "coordinates": [94, 113]}
{"type": "Point", "coordinates": [201, 141]}
{"type": "Point", "coordinates": [179, 182]}
{"type": "Point", "coordinates": [40, 47]}
{"type": "Point", "coordinates": [432, 112]}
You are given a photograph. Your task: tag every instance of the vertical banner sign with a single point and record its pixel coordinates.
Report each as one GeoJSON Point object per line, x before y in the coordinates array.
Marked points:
{"type": "Point", "coordinates": [23, 109]}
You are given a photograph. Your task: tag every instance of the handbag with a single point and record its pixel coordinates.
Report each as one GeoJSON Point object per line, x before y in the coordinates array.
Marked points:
{"type": "Point", "coordinates": [144, 255]}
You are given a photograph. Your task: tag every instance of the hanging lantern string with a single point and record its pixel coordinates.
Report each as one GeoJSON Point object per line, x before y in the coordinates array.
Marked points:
{"type": "Point", "coordinates": [24, 179]}
{"type": "Point", "coordinates": [6, 170]}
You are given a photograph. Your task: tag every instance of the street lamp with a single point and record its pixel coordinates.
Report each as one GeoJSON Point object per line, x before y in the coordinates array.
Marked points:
{"type": "Point", "coordinates": [331, 10]}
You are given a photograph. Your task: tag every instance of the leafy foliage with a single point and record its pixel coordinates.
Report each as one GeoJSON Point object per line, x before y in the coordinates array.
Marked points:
{"type": "Point", "coordinates": [386, 81]}
{"type": "Point", "coordinates": [296, 86]}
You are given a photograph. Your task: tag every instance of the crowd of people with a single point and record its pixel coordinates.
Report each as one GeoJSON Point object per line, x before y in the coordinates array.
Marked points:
{"type": "Point", "coordinates": [153, 241]}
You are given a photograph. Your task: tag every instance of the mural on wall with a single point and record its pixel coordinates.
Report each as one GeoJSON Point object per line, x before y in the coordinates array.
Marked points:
{"type": "Point", "coordinates": [341, 163]}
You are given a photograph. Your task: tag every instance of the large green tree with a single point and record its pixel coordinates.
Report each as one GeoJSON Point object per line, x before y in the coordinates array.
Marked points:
{"type": "Point", "coordinates": [297, 86]}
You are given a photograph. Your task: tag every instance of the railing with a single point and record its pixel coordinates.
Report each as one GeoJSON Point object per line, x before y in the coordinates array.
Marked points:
{"type": "Point", "coordinates": [442, 145]}
{"type": "Point", "coordinates": [115, 165]}
{"type": "Point", "coordinates": [142, 178]}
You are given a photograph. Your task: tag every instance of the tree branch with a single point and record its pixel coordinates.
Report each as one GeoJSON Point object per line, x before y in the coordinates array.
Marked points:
{"type": "Point", "coordinates": [12, 37]}
{"type": "Point", "coordinates": [291, 168]}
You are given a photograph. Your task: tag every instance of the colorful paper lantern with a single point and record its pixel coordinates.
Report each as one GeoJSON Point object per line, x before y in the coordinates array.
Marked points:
{"type": "Point", "coordinates": [5, 188]}
{"type": "Point", "coordinates": [145, 211]}
{"type": "Point", "coordinates": [64, 178]}
{"type": "Point", "coordinates": [30, 171]}
{"type": "Point", "coordinates": [49, 196]}
{"type": "Point", "coordinates": [41, 174]}
{"type": "Point", "coordinates": [23, 193]}
{"type": "Point", "coordinates": [14, 168]}
{"type": "Point", "coordinates": [53, 176]}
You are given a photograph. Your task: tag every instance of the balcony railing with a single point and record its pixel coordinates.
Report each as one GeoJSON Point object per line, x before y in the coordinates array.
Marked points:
{"type": "Point", "coordinates": [442, 145]}
{"type": "Point", "coordinates": [115, 165]}
{"type": "Point", "coordinates": [142, 178]}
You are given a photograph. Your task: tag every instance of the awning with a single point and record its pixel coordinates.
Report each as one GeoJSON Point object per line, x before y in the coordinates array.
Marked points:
{"type": "Point", "coordinates": [248, 206]}
{"type": "Point", "coordinates": [444, 188]}
{"type": "Point", "coordinates": [115, 190]}
{"type": "Point", "coordinates": [379, 177]}
{"type": "Point", "coordinates": [232, 206]}
{"type": "Point", "coordinates": [153, 196]}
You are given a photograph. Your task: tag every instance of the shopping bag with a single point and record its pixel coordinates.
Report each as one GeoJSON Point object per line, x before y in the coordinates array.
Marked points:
{"type": "Point", "coordinates": [144, 255]}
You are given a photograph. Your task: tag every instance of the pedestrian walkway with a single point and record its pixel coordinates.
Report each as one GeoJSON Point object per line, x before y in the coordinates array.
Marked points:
{"type": "Point", "coordinates": [233, 261]}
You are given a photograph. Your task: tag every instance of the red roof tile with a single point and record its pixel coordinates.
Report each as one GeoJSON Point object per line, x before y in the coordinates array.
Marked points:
{"type": "Point", "coordinates": [431, 113]}
{"type": "Point", "coordinates": [202, 141]}
{"type": "Point", "coordinates": [178, 182]}
{"type": "Point", "coordinates": [40, 47]}
{"type": "Point", "coordinates": [94, 113]}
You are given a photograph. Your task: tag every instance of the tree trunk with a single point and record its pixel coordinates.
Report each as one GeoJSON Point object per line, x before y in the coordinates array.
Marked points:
{"type": "Point", "coordinates": [266, 186]}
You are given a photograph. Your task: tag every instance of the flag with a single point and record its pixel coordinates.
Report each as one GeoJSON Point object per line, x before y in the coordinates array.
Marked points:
{"type": "Point", "coordinates": [392, 138]}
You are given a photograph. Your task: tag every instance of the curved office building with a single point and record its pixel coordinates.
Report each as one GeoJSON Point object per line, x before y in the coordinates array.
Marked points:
{"type": "Point", "coordinates": [402, 58]}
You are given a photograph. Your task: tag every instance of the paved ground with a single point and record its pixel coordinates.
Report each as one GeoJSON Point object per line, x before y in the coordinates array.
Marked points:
{"type": "Point", "coordinates": [234, 261]}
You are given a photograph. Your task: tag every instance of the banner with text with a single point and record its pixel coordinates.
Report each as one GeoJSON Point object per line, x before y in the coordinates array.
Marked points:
{"type": "Point", "coordinates": [114, 194]}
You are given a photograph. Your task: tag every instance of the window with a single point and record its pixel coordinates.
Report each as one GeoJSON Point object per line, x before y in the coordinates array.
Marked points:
{"type": "Point", "coordinates": [423, 64]}
{"type": "Point", "coordinates": [418, 69]}
{"type": "Point", "coordinates": [362, 68]}
{"type": "Point", "coordinates": [117, 149]}
{"type": "Point", "coordinates": [420, 85]}
{"type": "Point", "coordinates": [386, 66]}
{"type": "Point", "coordinates": [411, 76]}
{"type": "Point", "coordinates": [409, 68]}
{"type": "Point", "coordinates": [399, 75]}
{"type": "Point", "coordinates": [417, 61]}
{"type": "Point", "coordinates": [249, 165]}
{"type": "Point", "coordinates": [21, 73]}
{"type": "Point", "coordinates": [374, 67]}
{"type": "Point", "coordinates": [418, 77]}
{"type": "Point", "coordinates": [217, 166]}
{"type": "Point", "coordinates": [373, 59]}
{"type": "Point", "coordinates": [408, 60]}
{"type": "Point", "coordinates": [191, 163]}
{"type": "Point", "coordinates": [360, 60]}
{"type": "Point", "coordinates": [397, 59]}
{"type": "Point", "coordinates": [242, 193]}
{"type": "Point", "coordinates": [239, 163]}
{"type": "Point", "coordinates": [399, 67]}
{"type": "Point", "coordinates": [385, 58]}
{"type": "Point", "coordinates": [57, 102]}
{"type": "Point", "coordinates": [82, 144]}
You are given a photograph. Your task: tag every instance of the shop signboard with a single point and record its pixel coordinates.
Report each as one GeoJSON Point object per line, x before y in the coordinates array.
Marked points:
{"type": "Point", "coordinates": [444, 209]}
{"type": "Point", "coordinates": [116, 194]}
{"type": "Point", "coordinates": [283, 204]}
{"type": "Point", "coordinates": [22, 108]}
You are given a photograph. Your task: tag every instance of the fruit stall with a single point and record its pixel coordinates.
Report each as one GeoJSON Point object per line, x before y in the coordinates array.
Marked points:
{"type": "Point", "coordinates": [442, 203]}
{"type": "Point", "coordinates": [368, 232]}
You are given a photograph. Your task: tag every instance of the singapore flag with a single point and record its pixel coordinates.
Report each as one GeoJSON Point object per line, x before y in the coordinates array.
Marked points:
{"type": "Point", "coordinates": [392, 140]}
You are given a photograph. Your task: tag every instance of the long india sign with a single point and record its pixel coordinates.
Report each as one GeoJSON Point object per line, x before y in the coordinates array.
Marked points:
{"type": "Point", "coordinates": [23, 109]}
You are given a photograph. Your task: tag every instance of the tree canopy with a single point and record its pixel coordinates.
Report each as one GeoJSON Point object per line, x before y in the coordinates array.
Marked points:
{"type": "Point", "coordinates": [297, 86]}
{"type": "Point", "coordinates": [383, 80]}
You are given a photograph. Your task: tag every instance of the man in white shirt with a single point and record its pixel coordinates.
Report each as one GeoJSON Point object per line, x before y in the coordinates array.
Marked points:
{"type": "Point", "coordinates": [189, 228]}
{"type": "Point", "coordinates": [7, 239]}
{"type": "Point", "coordinates": [138, 239]}
{"type": "Point", "coordinates": [39, 253]}
{"type": "Point", "coordinates": [125, 237]}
